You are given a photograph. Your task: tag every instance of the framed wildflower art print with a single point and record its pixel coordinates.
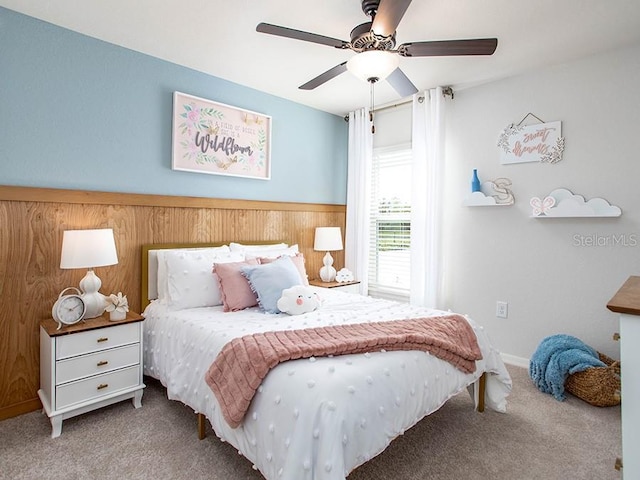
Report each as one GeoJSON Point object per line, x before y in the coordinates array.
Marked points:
{"type": "Point", "coordinates": [218, 139]}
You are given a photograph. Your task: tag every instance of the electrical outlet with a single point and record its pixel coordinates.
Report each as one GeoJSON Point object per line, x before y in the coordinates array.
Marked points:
{"type": "Point", "coordinates": [502, 309]}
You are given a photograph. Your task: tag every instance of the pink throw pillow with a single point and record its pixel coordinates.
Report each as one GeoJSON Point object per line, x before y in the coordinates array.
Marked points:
{"type": "Point", "coordinates": [298, 261]}
{"type": "Point", "coordinates": [234, 287]}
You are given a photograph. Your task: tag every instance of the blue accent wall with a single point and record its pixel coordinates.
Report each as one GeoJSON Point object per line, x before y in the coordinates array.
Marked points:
{"type": "Point", "coordinates": [80, 113]}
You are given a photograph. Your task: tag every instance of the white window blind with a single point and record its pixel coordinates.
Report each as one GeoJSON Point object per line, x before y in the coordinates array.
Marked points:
{"type": "Point", "coordinates": [390, 223]}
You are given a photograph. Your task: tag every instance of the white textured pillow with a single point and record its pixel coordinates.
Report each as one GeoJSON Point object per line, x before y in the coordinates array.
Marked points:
{"type": "Point", "coordinates": [161, 272]}
{"type": "Point", "coordinates": [240, 247]}
{"type": "Point", "coordinates": [191, 282]}
{"type": "Point", "coordinates": [291, 251]}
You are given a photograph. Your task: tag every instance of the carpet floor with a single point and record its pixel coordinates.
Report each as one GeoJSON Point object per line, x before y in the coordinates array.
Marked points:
{"type": "Point", "coordinates": [538, 438]}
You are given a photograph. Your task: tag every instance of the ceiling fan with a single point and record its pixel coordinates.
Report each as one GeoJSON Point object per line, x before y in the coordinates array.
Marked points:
{"type": "Point", "coordinates": [375, 45]}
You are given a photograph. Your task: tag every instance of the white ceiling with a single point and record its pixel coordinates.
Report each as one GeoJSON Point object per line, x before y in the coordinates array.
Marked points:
{"type": "Point", "coordinates": [218, 37]}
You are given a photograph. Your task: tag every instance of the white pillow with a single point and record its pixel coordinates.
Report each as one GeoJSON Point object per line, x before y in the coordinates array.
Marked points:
{"type": "Point", "coordinates": [161, 273]}
{"type": "Point", "coordinates": [272, 252]}
{"type": "Point", "coordinates": [191, 282]}
{"type": "Point", "coordinates": [239, 247]}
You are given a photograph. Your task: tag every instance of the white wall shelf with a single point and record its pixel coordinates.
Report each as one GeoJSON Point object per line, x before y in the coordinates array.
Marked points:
{"type": "Point", "coordinates": [562, 203]}
{"type": "Point", "coordinates": [492, 194]}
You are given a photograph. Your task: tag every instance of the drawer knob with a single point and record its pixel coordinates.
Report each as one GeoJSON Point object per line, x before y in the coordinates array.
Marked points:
{"type": "Point", "coordinates": [616, 336]}
{"type": "Point", "coordinates": [616, 396]}
{"type": "Point", "coordinates": [102, 385]}
{"type": "Point", "coordinates": [618, 465]}
{"type": "Point", "coordinates": [102, 363]}
{"type": "Point", "coordinates": [102, 339]}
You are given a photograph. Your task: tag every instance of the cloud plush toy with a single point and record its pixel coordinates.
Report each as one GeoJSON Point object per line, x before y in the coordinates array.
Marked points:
{"type": "Point", "coordinates": [298, 300]}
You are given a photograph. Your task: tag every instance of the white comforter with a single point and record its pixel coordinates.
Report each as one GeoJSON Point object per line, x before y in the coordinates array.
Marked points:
{"type": "Point", "coordinates": [317, 418]}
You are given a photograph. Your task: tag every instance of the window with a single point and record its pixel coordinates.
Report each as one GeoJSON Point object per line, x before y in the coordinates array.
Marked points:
{"type": "Point", "coordinates": [390, 223]}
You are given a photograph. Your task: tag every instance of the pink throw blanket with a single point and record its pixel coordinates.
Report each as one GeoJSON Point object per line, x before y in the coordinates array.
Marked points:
{"type": "Point", "coordinates": [239, 369]}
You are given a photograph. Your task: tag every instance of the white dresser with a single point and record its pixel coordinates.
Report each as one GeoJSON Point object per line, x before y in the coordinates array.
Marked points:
{"type": "Point", "coordinates": [89, 365]}
{"type": "Point", "coordinates": [626, 302]}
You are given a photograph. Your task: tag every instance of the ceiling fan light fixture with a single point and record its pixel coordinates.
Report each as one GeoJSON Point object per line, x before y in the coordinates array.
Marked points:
{"type": "Point", "coordinates": [373, 64]}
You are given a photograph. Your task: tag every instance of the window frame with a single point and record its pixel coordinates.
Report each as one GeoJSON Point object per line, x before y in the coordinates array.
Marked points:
{"type": "Point", "coordinates": [384, 157]}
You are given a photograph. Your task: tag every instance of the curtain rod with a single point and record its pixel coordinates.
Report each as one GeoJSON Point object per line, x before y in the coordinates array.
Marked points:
{"type": "Point", "coordinates": [386, 107]}
{"type": "Point", "coordinates": [399, 104]}
{"type": "Point", "coordinates": [446, 92]}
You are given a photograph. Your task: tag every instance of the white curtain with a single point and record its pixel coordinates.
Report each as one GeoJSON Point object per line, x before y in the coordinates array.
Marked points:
{"type": "Point", "coordinates": [426, 198]}
{"type": "Point", "coordinates": [358, 193]}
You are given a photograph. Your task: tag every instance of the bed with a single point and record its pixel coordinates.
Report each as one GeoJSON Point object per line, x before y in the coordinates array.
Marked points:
{"type": "Point", "coordinates": [315, 418]}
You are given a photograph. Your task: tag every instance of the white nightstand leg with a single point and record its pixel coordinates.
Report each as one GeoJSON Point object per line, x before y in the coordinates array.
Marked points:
{"type": "Point", "coordinates": [137, 399]}
{"type": "Point", "coordinates": [56, 426]}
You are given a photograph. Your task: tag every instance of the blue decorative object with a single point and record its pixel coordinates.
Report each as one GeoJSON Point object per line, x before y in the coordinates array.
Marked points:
{"type": "Point", "coordinates": [557, 357]}
{"type": "Point", "coordinates": [475, 182]}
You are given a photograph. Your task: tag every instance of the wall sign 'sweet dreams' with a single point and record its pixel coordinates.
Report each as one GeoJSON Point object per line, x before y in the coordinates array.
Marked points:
{"type": "Point", "coordinates": [542, 142]}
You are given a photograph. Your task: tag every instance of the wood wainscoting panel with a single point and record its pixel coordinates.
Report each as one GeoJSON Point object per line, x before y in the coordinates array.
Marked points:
{"type": "Point", "coordinates": [32, 221]}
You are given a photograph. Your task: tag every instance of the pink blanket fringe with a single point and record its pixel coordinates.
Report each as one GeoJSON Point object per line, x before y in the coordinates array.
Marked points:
{"type": "Point", "coordinates": [239, 369]}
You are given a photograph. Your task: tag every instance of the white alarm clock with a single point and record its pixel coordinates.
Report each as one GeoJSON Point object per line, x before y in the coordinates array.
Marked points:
{"type": "Point", "coordinates": [68, 309]}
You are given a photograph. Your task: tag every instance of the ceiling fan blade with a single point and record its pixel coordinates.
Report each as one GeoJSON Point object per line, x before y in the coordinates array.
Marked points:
{"type": "Point", "coordinates": [300, 35]}
{"type": "Point", "coordinates": [444, 48]}
{"type": "Point", "coordinates": [388, 16]}
{"type": "Point", "coordinates": [401, 83]}
{"type": "Point", "coordinates": [324, 77]}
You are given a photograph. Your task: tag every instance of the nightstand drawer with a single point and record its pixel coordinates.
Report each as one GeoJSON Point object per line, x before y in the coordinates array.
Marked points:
{"type": "Point", "coordinates": [97, 386]}
{"type": "Point", "coordinates": [95, 340]}
{"type": "Point", "coordinates": [95, 363]}
{"type": "Point", "coordinates": [349, 288]}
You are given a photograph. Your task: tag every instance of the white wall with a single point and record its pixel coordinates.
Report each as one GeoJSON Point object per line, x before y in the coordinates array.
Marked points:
{"type": "Point", "coordinates": [393, 126]}
{"type": "Point", "coordinates": [552, 284]}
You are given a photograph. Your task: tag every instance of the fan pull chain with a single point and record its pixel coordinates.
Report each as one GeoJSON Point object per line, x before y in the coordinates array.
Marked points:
{"type": "Point", "coordinates": [373, 127]}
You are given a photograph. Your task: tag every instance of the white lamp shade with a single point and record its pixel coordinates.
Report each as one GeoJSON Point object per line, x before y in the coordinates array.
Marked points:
{"type": "Point", "coordinates": [373, 64]}
{"type": "Point", "coordinates": [327, 239]}
{"type": "Point", "coordinates": [88, 248]}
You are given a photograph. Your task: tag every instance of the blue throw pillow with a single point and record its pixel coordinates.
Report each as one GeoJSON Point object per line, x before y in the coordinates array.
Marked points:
{"type": "Point", "coordinates": [269, 280]}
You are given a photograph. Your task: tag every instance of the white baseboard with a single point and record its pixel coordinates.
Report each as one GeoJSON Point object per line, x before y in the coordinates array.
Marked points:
{"type": "Point", "coordinates": [516, 361]}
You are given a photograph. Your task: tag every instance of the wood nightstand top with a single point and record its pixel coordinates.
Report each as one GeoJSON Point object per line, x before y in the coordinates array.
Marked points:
{"type": "Point", "coordinates": [319, 283]}
{"type": "Point", "coordinates": [627, 299]}
{"type": "Point", "coordinates": [51, 326]}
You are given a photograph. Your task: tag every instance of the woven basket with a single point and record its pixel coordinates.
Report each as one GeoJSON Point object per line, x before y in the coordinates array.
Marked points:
{"type": "Point", "coordinates": [599, 386]}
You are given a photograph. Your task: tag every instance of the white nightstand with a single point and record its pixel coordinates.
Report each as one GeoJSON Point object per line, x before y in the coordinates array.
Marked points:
{"type": "Point", "coordinates": [348, 287]}
{"type": "Point", "coordinates": [89, 365]}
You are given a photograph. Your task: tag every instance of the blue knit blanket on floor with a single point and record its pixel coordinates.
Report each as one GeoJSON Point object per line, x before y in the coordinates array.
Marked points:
{"type": "Point", "coordinates": [557, 357]}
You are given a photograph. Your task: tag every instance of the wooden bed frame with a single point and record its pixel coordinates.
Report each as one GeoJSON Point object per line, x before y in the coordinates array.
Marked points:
{"type": "Point", "coordinates": [145, 300]}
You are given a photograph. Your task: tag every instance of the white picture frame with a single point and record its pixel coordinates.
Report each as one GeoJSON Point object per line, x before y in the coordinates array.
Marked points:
{"type": "Point", "coordinates": [542, 142]}
{"type": "Point", "coordinates": [219, 139]}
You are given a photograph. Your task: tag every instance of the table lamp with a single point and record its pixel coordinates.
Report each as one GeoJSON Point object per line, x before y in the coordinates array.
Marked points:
{"type": "Point", "coordinates": [327, 239]}
{"type": "Point", "coordinates": [89, 249]}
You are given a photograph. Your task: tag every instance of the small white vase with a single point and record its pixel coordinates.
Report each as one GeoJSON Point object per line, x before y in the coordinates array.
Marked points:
{"type": "Point", "coordinates": [116, 315]}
